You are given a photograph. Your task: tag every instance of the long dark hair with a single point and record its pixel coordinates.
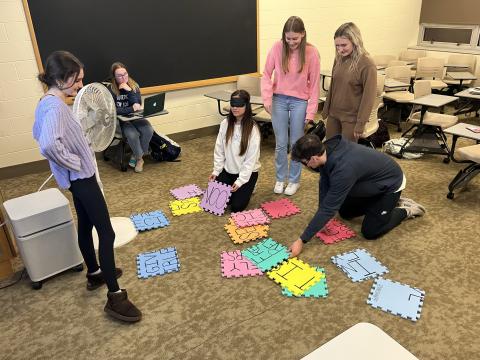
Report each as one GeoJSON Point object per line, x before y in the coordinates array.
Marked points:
{"type": "Point", "coordinates": [59, 67]}
{"type": "Point", "coordinates": [247, 121]}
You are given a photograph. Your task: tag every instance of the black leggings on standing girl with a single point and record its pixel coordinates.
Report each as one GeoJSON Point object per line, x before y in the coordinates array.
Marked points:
{"type": "Point", "coordinates": [92, 211]}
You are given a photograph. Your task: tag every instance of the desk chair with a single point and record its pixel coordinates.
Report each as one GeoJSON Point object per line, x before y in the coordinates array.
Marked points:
{"type": "Point", "coordinates": [251, 84]}
{"type": "Point", "coordinates": [397, 63]}
{"type": "Point", "coordinates": [371, 126]}
{"type": "Point", "coordinates": [397, 101]}
{"type": "Point", "coordinates": [382, 60]}
{"type": "Point", "coordinates": [264, 121]}
{"type": "Point", "coordinates": [426, 134]}
{"type": "Point", "coordinates": [120, 149]}
{"type": "Point", "coordinates": [460, 59]}
{"type": "Point", "coordinates": [433, 70]}
{"type": "Point", "coordinates": [470, 155]}
{"type": "Point", "coordinates": [411, 56]}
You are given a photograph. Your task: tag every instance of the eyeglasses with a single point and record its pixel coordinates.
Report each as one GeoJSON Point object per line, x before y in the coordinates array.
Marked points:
{"type": "Point", "coordinates": [305, 161]}
{"type": "Point", "coordinates": [121, 75]}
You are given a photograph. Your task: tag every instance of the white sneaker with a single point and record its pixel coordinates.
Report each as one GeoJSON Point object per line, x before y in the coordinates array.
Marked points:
{"type": "Point", "coordinates": [291, 188]}
{"type": "Point", "coordinates": [278, 189]}
{"type": "Point", "coordinates": [412, 208]}
{"type": "Point", "coordinates": [406, 202]}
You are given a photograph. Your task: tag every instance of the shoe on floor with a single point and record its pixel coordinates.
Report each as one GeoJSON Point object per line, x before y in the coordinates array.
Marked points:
{"type": "Point", "coordinates": [291, 188]}
{"type": "Point", "coordinates": [132, 162]}
{"type": "Point", "coordinates": [139, 166]}
{"type": "Point", "coordinates": [413, 209]}
{"type": "Point", "coordinates": [278, 189]}
{"type": "Point", "coordinates": [403, 200]}
{"type": "Point", "coordinates": [119, 307]}
{"type": "Point", "coordinates": [97, 280]}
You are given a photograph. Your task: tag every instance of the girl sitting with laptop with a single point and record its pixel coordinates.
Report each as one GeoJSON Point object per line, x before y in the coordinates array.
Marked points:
{"type": "Point", "coordinates": [127, 97]}
{"type": "Point", "coordinates": [236, 157]}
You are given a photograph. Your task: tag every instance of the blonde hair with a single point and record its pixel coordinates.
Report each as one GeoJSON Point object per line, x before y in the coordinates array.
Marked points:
{"type": "Point", "coordinates": [351, 32]}
{"type": "Point", "coordinates": [132, 83]}
{"type": "Point", "coordinates": [293, 24]}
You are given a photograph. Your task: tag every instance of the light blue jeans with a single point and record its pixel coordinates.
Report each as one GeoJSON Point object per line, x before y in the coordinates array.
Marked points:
{"type": "Point", "coordinates": [288, 113]}
{"type": "Point", "coordinates": [138, 133]}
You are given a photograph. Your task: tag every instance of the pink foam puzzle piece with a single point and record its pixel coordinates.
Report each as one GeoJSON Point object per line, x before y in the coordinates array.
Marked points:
{"type": "Point", "coordinates": [234, 264]}
{"type": "Point", "coordinates": [335, 231]}
{"type": "Point", "coordinates": [280, 208]}
{"type": "Point", "coordinates": [216, 197]}
{"type": "Point", "coordinates": [250, 218]}
{"type": "Point", "coordinates": [187, 191]}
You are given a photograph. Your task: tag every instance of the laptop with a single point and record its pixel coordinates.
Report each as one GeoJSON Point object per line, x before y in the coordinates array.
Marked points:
{"type": "Point", "coordinates": [152, 105]}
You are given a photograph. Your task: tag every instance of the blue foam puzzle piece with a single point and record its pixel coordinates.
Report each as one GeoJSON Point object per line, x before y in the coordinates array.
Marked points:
{"type": "Point", "coordinates": [158, 262]}
{"type": "Point", "coordinates": [396, 298]}
{"type": "Point", "coordinates": [359, 265]}
{"type": "Point", "coordinates": [150, 220]}
{"type": "Point", "coordinates": [266, 254]}
{"type": "Point", "coordinates": [319, 289]}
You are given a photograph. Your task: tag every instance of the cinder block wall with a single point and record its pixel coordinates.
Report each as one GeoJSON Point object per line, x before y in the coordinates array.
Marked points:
{"type": "Point", "coordinates": [388, 26]}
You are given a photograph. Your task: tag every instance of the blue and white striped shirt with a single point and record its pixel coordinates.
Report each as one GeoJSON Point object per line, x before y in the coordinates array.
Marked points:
{"type": "Point", "coordinates": [62, 141]}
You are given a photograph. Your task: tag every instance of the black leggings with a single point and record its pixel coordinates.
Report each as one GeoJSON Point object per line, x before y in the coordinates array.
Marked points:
{"type": "Point", "coordinates": [381, 213]}
{"type": "Point", "coordinates": [92, 211]}
{"type": "Point", "coordinates": [240, 198]}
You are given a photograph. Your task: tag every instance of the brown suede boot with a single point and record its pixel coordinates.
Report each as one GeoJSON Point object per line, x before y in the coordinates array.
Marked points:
{"type": "Point", "coordinates": [119, 307]}
{"type": "Point", "coordinates": [95, 281]}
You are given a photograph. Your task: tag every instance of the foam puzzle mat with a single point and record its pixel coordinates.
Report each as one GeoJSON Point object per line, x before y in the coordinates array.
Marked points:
{"type": "Point", "coordinates": [396, 298]}
{"type": "Point", "coordinates": [216, 197]}
{"type": "Point", "coordinates": [149, 220]}
{"type": "Point", "coordinates": [359, 265]}
{"type": "Point", "coordinates": [234, 264]}
{"type": "Point", "coordinates": [280, 208]}
{"type": "Point", "coordinates": [318, 290]}
{"type": "Point", "coordinates": [157, 262]}
{"type": "Point", "coordinates": [187, 191]}
{"type": "Point", "coordinates": [266, 254]}
{"type": "Point", "coordinates": [335, 231]}
{"type": "Point", "coordinates": [185, 206]}
{"type": "Point", "coordinates": [245, 234]}
{"type": "Point", "coordinates": [295, 275]}
{"type": "Point", "coordinates": [250, 218]}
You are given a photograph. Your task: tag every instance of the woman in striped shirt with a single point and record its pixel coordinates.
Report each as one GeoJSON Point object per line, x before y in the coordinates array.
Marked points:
{"type": "Point", "coordinates": [63, 143]}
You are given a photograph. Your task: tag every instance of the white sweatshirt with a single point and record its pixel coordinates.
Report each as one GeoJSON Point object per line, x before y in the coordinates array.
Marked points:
{"type": "Point", "coordinates": [227, 155]}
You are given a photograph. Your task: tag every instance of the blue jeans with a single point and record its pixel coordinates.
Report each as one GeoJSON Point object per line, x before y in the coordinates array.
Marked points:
{"type": "Point", "coordinates": [288, 112]}
{"type": "Point", "coordinates": [138, 133]}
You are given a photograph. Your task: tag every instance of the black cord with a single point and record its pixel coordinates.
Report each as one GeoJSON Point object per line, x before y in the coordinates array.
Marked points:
{"type": "Point", "coordinates": [14, 282]}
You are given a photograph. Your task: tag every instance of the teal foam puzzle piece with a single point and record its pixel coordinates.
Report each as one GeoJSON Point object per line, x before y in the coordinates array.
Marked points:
{"type": "Point", "coordinates": [320, 289]}
{"type": "Point", "coordinates": [266, 254]}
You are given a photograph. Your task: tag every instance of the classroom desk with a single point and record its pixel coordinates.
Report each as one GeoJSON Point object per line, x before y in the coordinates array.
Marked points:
{"type": "Point", "coordinates": [394, 85]}
{"type": "Point", "coordinates": [461, 76]}
{"type": "Point", "coordinates": [362, 341]}
{"type": "Point", "coordinates": [471, 102]}
{"type": "Point", "coordinates": [460, 130]}
{"type": "Point", "coordinates": [127, 118]}
{"type": "Point", "coordinates": [456, 66]}
{"type": "Point", "coordinates": [424, 140]}
{"type": "Point", "coordinates": [224, 95]}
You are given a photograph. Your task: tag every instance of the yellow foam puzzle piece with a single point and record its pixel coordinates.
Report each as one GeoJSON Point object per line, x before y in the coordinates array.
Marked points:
{"type": "Point", "coordinates": [185, 206]}
{"type": "Point", "coordinates": [295, 275]}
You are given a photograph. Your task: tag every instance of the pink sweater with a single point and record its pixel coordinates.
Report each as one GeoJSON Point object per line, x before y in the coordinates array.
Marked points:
{"type": "Point", "coordinates": [302, 85]}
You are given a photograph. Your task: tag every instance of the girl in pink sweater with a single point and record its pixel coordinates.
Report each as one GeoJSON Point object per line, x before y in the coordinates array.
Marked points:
{"type": "Point", "coordinates": [291, 97]}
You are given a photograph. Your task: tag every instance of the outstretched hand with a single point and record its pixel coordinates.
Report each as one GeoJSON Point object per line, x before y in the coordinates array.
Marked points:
{"type": "Point", "coordinates": [212, 177]}
{"type": "Point", "coordinates": [296, 248]}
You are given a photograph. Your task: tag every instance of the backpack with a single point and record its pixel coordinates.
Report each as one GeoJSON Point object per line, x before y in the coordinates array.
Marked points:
{"type": "Point", "coordinates": [381, 136]}
{"type": "Point", "coordinates": [393, 147]}
{"type": "Point", "coordinates": [318, 129]}
{"type": "Point", "coordinates": [163, 148]}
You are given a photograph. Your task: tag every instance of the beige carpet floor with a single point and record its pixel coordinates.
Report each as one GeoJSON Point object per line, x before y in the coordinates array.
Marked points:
{"type": "Point", "coordinates": [197, 314]}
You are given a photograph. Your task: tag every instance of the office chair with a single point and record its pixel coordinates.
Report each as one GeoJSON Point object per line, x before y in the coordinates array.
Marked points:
{"type": "Point", "coordinates": [470, 155]}
{"type": "Point", "coordinates": [397, 101]}
{"type": "Point", "coordinates": [426, 135]}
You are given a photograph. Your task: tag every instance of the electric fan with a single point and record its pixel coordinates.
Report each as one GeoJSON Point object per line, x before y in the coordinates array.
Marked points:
{"type": "Point", "coordinates": [95, 110]}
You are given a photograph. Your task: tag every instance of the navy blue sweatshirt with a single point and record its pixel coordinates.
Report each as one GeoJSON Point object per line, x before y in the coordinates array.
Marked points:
{"type": "Point", "coordinates": [125, 100]}
{"type": "Point", "coordinates": [351, 170]}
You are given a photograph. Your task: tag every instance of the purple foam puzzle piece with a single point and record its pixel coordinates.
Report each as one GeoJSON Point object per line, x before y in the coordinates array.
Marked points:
{"type": "Point", "coordinates": [186, 192]}
{"type": "Point", "coordinates": [216, 197]}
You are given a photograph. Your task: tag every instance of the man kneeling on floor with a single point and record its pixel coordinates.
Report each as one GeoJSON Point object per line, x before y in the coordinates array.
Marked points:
{"type": "Point", "coordinates": [355, 181]}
